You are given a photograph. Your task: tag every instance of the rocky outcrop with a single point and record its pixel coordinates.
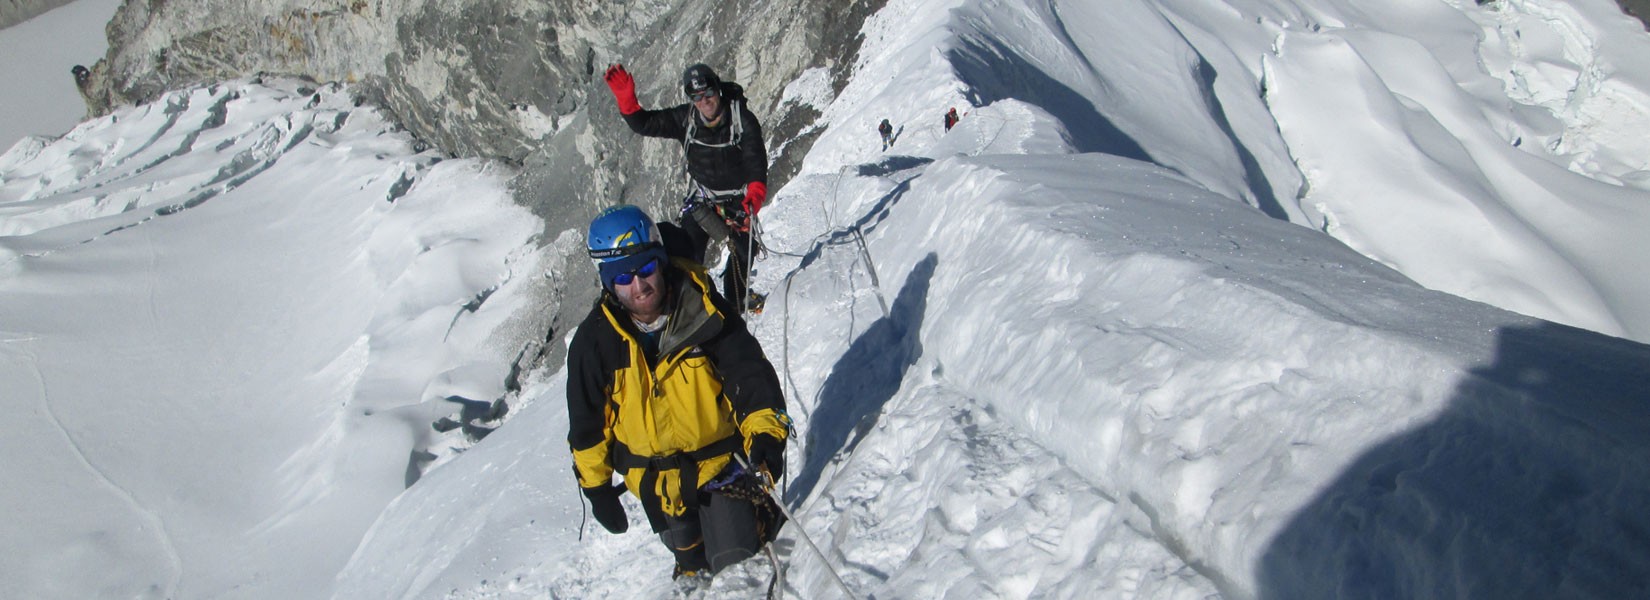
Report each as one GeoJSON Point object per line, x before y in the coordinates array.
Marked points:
{"type": "Point", "coordinates": [512, 79]}
{"type": "Point", "coordinates": [516, 80]}
{"type": "Point", "coordinates": [13, 12]}
{"type": "Point", "coordinates": [1638, 9]}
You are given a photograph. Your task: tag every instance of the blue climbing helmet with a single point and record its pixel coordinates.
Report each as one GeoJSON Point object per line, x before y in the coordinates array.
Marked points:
{"type": "Point", "coordinates": [623, 239]}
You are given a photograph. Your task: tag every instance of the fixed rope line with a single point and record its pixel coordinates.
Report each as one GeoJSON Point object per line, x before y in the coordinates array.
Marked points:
{"type": "Point", "coordinates": [831, 237]}
{"type": "Point", "coordinates": [802, 532]}
{"type": "Point", "coordinates": [871, 267]}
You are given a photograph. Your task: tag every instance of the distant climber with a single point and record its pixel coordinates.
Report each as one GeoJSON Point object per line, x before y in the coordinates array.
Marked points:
{"type": "Point", "coordinates": [82, 77]}
{"type": "Point", "coordinates": [951, 118]}
{"type": "Point", "coordinates": [726, 160]}
{"type": "Point", "coordinates": [887, 131]}
{"type": "Point", "coordinates": [665, 386]}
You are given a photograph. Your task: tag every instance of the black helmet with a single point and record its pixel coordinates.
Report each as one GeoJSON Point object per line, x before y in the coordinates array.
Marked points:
{"type": "Point", "coordinates": [699, 78]}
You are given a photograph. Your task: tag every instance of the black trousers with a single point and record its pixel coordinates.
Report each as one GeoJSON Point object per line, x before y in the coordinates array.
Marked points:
{"type": "Point", "coordinates": [736, 277]}
{"type": "Point", "coordinates": [722, 532]}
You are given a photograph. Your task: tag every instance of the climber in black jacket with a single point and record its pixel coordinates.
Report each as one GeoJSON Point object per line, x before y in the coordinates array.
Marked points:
{"type": "Point", "coordinates": [725, 157]}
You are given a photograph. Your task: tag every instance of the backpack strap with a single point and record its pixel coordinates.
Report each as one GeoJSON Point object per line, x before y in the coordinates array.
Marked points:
{"type": "Point", "coordinates": [737, 128]}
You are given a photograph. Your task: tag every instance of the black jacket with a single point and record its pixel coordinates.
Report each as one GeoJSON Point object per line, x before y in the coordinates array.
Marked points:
{"type": "Point", "coordinates": [722, 159]}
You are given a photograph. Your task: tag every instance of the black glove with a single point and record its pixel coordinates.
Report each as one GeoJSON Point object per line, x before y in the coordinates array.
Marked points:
{"type": "Point", "coordinates": [768, 452]}
{"type": "Point", "coordinates": [604, 503]}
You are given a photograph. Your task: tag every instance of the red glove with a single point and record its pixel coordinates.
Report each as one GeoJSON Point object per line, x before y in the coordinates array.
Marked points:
{"type": "Point", "coordinates": [755, 193]}
{"type": "Point", "coordinates": [623, 88]}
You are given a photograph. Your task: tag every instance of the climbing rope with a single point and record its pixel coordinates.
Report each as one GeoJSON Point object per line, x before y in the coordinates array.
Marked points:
{"type": "Point", "coordinates": [802, 532]}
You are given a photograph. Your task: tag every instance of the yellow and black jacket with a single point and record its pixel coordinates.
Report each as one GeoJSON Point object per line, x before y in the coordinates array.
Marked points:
{"type": "Point", "coordinates": [682, 412]}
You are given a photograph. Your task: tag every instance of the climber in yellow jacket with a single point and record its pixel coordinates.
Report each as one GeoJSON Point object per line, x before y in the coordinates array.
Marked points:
{"type": "Point", "coordinates": [665, 384]}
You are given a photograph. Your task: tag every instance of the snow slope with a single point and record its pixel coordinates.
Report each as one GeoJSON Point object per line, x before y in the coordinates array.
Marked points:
{"type": "Point", "coordinates": [1079, 346]}
{"type": "Point", "coordinates": [1075, 375]}
{"type": "Point", "coordinates": [229, 318]}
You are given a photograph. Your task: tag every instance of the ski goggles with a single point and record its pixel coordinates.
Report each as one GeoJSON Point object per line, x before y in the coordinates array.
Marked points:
{"type": "Point", "coordinates": [646, 270]}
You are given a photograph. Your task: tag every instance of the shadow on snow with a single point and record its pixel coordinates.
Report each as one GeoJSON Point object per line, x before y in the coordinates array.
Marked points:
{"type": "Point", "coordinates": [1534, 483]}
{"type": "Point", "coordinates": [875, 215]}
{"type": "Point", "coordinates": [865, 378]}
{"type": "Point", "coordinates": [996, 72]}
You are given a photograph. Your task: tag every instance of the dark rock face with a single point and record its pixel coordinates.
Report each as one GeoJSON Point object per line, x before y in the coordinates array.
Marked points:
{"type": "Point", "coordinates": [487, 59]}
{"type": "Point", "coordinates": [1638, 9]}
{"type": "Point", "coordinates": [13, 12]}
{"type": "Point", "coordinates": [515, 80]}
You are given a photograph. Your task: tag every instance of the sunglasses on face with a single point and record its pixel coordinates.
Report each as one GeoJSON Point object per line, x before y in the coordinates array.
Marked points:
{"type": "Point", "coordinates": [646, 270]}
{"type": "Point", "coordinates": [701, 95]}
